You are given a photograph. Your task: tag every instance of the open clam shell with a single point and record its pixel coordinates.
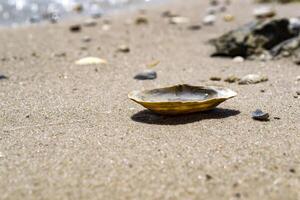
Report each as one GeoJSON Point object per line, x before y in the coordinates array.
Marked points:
{"type": "Point", "coordinates": [181, 99]}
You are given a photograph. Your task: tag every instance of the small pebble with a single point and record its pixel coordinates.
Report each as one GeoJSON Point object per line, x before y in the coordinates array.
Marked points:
{"type": "Point", "coordinates": [194, 27]}
{"type": "Point", "coordinates": [298, 78]}
{"type": "Point", "coordinates": [211, 10]}
{"type": "Point", "coordinates": [209, 20]}
{"type": "Point", "coordinates": [264, 12]}
{"type": "Point", "coordinates": [294, 24]}
{"type": "Point", "coordinates": [75, 28]}
{"type": "Point", "coordinates": [2, 77]}
{"type": "Point", "coordinates": [168, 14]}
{"type": "Point", "coordinates": [252, 79]}
{"type": "Point", "coordinates": [215, 78]}
{"type": "Point", "coordinates": [146, 75]}
{"type": "Point", "coordinates": [231, 79]}
{"type": "Point", "coordinates": [141, 20]}
{"type": "Point", "coordinates": [62, 54]}
{"type": "Point", "coordinates": [238, 59]}
{"type": "Point", "coordinates": [208, 177]}
{"type": "Point", "coordinates": [228, 18]}
{"type": "Point", "coordinates": [214, 2]}
{"type": "Point", "coordinates": [292, 170]}
{"type": "Point", "coordinates": [90, 23]}
{"type": "Point", "coordinates": [277, 118]}
{"type": "Point", "coordinates": [124, 49]}
{"type": "Point", "coordinates": [262, 91]}
{"type": "Point", "coordinates": [106, 27]}
{"type": "Point", "coordinates": [86, 39]}
{"type": "Point", "coordinates": [260, 115]}
{"type": "Point", "coordinates": [179, 20]}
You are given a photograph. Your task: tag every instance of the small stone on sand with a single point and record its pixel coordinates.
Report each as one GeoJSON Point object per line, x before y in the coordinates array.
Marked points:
{"type": "Point", "coordinates": [215, 78]}
{"type": "Point", "coordinates": [209, 20]}
{"type": "Point", "coordinates": [179, 20]}
{"type": "Point", "coordinates": [146, 75]}
{"type": "Point", "coordinates": [2, 77]}
{"type": "Point", "coordinates": [141, 20]}
{"type": "Point", "coordinates": [86, 39]}
{"type": "Point", "coordinates": [228, 18]}
{"type": "Point", "coordinates": [252, 79]}
{"type": "Point", "coordinates": [194, 27]}
{"type": "Point", "coordinates": [238, 59]}
{"type": "Point", "coordinates": [260, 115]}
{"type": "Point", "coordinates": [75, 28]}
{"type": "Point", "coordinates": [264, 12]}
{"type": "Point", "coordinates": [124, 48]}
{"type": "Point", "coordinates": [90, 23]}
{"type": "Point", "coordinates": [232, 79]}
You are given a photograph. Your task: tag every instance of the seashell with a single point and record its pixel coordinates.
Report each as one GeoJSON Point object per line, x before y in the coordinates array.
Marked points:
{"type": "Point", "coordinates": [181, 99]}
{"type": "Point", "coordinates": [90, 61]}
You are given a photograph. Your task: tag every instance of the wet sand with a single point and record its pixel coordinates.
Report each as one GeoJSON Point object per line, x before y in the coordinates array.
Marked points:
{"type": "Point", "coordinates": [70, 132]}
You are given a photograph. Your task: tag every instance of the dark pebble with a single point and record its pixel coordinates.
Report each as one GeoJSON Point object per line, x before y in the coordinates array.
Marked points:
{"type": "Point", "coordinates": [292, 170]}
{"type": "Point", "coordinates": [215, 78]}
{"type": "Point", "coordinates": [2, 77]}
{"type": "Point", "coordinates": [208, 177]}
{"type": "Point", "coordinates": [260, 115]}
{"type": "Point", "coordinates": [194, 27]}
{"type": "Point", "coordinates": [146, 75]}
{"type": "Point", "coordinates": [75, 28]}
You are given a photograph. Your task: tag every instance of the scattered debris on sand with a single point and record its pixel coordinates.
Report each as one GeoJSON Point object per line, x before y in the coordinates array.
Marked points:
{"type": "Point", "coordinates": [90, 61]}
{"type": "Point", "coordinates": [146, 75]}
{"type": "Point", "coordinates": [272, 38]}
{"type": "Point", "coordinates": [260, 115]}
{"type": "Point", "coordinates": [252, 79]}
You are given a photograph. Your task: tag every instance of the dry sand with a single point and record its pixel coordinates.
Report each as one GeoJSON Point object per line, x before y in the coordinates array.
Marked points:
{"type": "Point", "coordinates": [69, 132]}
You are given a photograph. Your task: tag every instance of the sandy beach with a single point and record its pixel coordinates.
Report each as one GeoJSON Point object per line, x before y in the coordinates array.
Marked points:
{"type": "Point", "coordinates": [70, 132]}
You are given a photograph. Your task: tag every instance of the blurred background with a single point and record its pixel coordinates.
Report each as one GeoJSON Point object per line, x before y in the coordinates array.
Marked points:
{"type": "Point", "coordinates": [17, 12]}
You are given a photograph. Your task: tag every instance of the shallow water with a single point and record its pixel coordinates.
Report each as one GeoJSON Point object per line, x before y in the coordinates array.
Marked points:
{"type": "Point", "coordinates": [18, 12]}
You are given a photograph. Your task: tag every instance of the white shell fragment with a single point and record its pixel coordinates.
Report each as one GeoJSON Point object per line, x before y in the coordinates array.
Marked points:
{"type": "Point", "coordinates": [90, 61]}
{"type": "Point", "coordinates": [209, 20]}
{"type": "Point", "coordinates": [179, 20]}
{"type": "Point", "coordinates": [252, 79]}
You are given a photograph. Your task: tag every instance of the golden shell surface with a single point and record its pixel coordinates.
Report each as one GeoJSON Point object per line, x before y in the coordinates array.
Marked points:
{"type": "Point", "coordinates": [182, 99]}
